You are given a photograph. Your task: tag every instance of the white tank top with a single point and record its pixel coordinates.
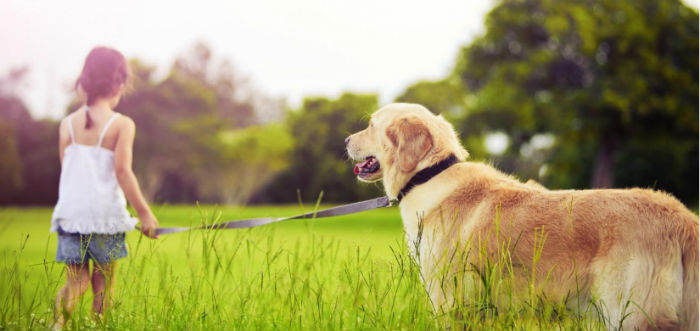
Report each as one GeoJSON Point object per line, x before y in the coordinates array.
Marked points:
{"type": "Point", "coordinates": [89, 197]}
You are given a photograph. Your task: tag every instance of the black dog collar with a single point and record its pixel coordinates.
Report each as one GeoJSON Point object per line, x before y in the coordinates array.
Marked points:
{"type": "Point", "coordinates": [426, 175]}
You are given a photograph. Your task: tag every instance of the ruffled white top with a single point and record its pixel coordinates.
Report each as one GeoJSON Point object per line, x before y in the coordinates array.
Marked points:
{"type": "Point", "coordinates": [89, 197]}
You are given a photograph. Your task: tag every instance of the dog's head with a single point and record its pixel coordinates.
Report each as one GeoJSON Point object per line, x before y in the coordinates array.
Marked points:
{"type": "Point", "coordinates": [401, 140]}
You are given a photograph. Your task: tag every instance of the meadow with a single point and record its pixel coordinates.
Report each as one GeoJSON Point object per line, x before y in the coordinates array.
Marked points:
{"type": "Point", "coordinates": [344, 273]}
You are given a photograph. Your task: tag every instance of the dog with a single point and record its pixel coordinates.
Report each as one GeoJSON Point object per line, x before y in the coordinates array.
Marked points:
{"type": "Point", "coordinates": [632, 251]}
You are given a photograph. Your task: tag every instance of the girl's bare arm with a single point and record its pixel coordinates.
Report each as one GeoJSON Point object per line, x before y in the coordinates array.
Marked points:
{"type": "Point", "coordinates": [123, 156]}
{"type": "Point", "coordinates": [63, 137]}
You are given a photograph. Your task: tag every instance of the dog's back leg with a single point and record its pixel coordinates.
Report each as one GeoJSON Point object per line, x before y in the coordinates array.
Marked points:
{"type": "Point", "coordinates": [689, 305]}
{"type": "Point", "coordinates": [639, 291]}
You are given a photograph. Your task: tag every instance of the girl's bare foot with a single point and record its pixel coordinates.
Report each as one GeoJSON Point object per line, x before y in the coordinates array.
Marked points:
{"type": "Point", "coordinates": [58, 323]}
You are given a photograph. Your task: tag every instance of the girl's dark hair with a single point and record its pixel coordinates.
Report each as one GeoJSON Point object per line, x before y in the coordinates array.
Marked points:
{"type": "Point", "coordinates": [105, 70]}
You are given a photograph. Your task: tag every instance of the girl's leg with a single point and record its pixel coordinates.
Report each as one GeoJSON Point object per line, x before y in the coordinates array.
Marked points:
{"type": "Point", "coordinates": [77, 282]}
{"type": "Point", "coordinates": [103, 278]}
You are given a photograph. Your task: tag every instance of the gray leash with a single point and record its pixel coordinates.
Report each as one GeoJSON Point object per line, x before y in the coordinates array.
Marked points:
{"type": "Point", "coordinates": [351, 208]}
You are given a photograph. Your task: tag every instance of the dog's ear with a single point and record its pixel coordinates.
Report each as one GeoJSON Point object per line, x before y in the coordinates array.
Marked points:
{"type": "Point", "coordinates": [412, 140]}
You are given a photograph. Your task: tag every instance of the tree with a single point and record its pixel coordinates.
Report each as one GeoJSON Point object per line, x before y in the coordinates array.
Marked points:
{"type": "Point", "coordinates": [13, 116]}
{"type": "Point", "coordinates": [441, 97]}
{"type": "Point", "coordinates": [318, 160]}
{"type": "Point", "coordinates": [37, 144]}
{"type": "Point", "coordinates": [234, 96]}
{"type": "Point", "coordinates": [194, 141]}
{"type": "Point", "coordinates": [251, 159]}
{"type": "Point", "coordinates": [28, 149]}
{"type": "Point", "coordinates": [604, 77]}
{"type": "Point", "coordinates": [10, 163]}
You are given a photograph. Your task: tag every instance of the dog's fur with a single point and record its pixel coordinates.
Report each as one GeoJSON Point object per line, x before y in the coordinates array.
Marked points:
{"type": "Point", "coordinates": [631, 251]}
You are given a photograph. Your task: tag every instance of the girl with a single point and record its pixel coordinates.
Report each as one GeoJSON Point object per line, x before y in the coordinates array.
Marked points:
{"type": "Point", "coordinates": [95, 147]}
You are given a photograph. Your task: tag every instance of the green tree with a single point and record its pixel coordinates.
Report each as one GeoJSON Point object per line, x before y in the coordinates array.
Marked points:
{"type": "Point", "coordinates": [194, 140]}
{"type": "Point", "coordinates": [318, 161]}
{"type": "Point", "coordinates": [615, 82]}
{"type": "Point", "coordinates": [233, 95]}
{"type": "Point", "coordinates": [251, 158]}
{"type": "Point", "coordinates": [441, 97]}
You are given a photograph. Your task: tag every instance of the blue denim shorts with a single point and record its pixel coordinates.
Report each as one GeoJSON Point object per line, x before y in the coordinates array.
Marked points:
{"type": "Point", "coordinates": [78, 248]}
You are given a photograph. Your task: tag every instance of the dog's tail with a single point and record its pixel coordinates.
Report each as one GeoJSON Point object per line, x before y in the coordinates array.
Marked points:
{"type": "Point", "coordinates": [689, 258]}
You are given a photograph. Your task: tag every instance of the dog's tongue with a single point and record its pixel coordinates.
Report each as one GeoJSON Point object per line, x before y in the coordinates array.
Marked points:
{"type": "Point", "coordinates": [360, 165]}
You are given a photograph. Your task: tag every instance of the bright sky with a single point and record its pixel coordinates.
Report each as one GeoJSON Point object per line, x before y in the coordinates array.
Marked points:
{"type": "Point", "coordinates": [287, 49]}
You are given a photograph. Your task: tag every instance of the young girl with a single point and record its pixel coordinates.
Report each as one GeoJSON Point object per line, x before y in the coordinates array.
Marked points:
{"type": "Point", "coordinates": [95, 147]}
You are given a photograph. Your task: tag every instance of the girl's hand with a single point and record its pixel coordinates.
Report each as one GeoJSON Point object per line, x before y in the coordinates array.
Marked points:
{"type": "Point", "coordinates": [149, 224]}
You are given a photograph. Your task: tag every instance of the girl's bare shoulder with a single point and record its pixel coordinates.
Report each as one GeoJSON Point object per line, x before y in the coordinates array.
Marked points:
{"type": "Point", "coordinates": [124, 122]}
{"type": "Point", "coordinates": [63, 125]}
{"type": "Point", "coordinates": [73, 118]}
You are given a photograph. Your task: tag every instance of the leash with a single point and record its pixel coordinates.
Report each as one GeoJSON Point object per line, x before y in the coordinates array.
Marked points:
{"type": "Point", "coordinates": [351, 208]}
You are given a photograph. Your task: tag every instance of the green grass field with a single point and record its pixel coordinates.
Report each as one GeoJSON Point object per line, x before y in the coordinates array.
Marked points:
{"type": "Point", "coordinates": [344, 273]}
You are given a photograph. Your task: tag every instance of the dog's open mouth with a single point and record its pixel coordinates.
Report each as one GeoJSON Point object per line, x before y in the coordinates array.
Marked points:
{"type": "Point", "coordinates": [367, 168]}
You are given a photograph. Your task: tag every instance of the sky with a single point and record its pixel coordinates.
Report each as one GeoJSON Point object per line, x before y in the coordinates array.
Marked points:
{"type": "Point", "coordinates": [286, 49]}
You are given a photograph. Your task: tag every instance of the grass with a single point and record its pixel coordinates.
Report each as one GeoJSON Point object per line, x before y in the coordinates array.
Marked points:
{"type": "Point", "coordinates": [345, 273]}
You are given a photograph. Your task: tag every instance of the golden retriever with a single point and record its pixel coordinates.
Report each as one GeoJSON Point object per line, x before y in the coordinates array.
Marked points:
{"type": "Point", "coordinates": [634, 251]}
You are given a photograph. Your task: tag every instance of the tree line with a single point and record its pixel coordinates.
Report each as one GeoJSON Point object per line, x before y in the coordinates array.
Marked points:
{"type": "Point", "coordinates": [593, 93]}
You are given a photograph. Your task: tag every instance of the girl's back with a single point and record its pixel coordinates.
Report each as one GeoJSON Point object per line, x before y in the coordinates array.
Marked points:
{"type": "Point", "coordinates": [90, 198]}
{"type": "Point", "coordinates": [91, 136]}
